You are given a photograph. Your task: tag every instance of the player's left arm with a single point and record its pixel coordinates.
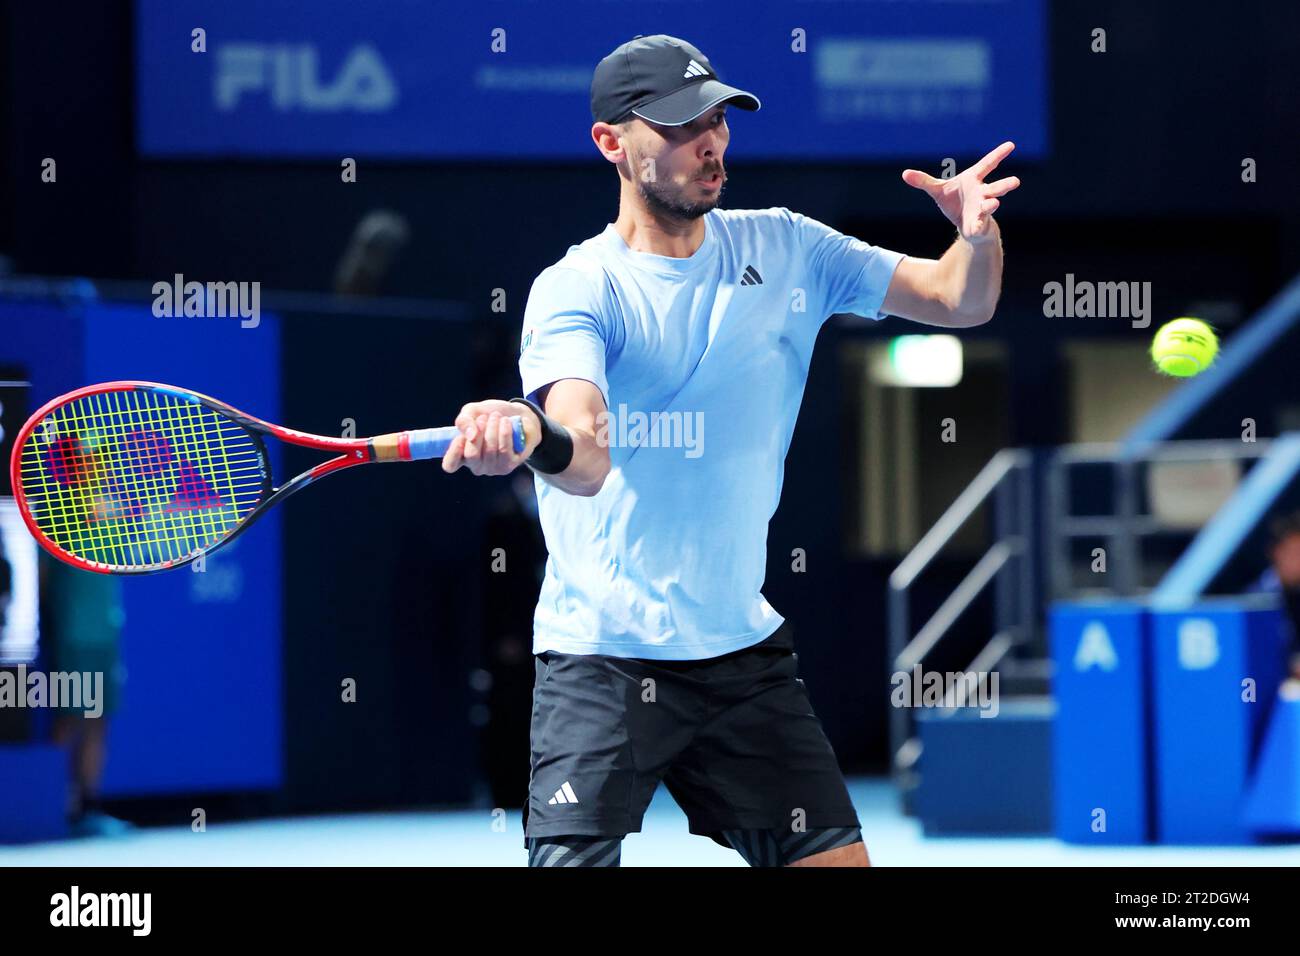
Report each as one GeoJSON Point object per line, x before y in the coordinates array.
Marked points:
{"type": "Point", "coordinates": [961, 288]}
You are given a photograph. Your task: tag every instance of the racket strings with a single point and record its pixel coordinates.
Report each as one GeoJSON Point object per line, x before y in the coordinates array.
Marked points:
{"type": "Point", "coordinates": [138, 478]}
{"type": "Point", "coordinates": [118, 495]}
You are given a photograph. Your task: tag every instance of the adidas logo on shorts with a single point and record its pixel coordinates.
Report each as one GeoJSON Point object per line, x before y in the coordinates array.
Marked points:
{"type": "Point", "coordinates": [564, 795]}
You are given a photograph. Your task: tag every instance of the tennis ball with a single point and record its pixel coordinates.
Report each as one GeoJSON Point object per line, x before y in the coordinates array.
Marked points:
{"type": "Point", "coordinates": [1184, 347]}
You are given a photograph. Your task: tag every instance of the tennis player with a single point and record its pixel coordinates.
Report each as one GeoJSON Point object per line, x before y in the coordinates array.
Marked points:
{"type": "Point", "coordinates": [663, 363]}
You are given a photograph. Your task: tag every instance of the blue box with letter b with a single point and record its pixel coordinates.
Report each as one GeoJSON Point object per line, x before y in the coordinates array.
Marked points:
{"type": "Point", "coordinates": [1101, 772]}
{"type": "Point", "coordinates": [1217, 668]}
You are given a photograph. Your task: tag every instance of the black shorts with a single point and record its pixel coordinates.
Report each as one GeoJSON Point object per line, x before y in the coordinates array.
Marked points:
{"type": "Point", "coordinates": [734, 738]}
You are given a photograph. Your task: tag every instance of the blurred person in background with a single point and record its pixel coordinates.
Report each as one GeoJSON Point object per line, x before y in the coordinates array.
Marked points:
{"type": "Point", "coordinates": [509, 599]}
{"type": "Point", "coordinates": [6, 584]}
{"type": "Point", "coordinates": [367, 262]}
{"type": "Point", "coordinates": [513, 533]}
{"type": "Point", "coordinates": [1283, 578]}
{"type": "Point", "coordinates": [11, 727]}
{"type": "Point", "coordinates": [82, 625]}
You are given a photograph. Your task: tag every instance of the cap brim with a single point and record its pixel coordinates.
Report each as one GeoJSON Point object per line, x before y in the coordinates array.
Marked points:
{"type": "Point", "coordinates": [680, 107]}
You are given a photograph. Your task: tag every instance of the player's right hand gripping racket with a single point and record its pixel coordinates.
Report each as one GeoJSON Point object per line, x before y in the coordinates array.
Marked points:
{"type": "Point", "coordinates": [137, 477]}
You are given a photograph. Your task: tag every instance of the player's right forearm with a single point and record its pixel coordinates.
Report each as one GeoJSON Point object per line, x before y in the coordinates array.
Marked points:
{"type": "Point", "coordinates": [586, 472]}
{"type": "Point", "coordinates": [567, 426]}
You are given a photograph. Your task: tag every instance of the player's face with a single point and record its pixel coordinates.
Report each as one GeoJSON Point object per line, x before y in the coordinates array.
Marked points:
{"type": "Point", "coordinates": [686, 178]}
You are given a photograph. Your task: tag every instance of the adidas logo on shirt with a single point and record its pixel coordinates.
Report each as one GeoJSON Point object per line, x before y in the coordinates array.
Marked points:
{"type": "Point", "coordinates": [564, 795]}
{"type": "Point", "coordinates": [751, 277]}
{"type": "Point", "coordinates": [694, 69]}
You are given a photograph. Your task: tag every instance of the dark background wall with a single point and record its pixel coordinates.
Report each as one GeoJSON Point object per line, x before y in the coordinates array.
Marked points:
{"type": "Point", "coordinates": [1143, 183]}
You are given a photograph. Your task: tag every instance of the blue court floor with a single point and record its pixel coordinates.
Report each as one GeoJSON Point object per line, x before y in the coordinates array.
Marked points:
{"type": "Point", "coordinates": [469, 838]}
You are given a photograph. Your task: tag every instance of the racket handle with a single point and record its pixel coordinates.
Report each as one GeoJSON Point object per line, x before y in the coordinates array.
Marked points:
{"type": "Point", "coordinates": [433, 442]}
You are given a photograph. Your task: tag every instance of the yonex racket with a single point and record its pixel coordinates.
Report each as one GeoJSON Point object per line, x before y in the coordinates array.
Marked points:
{"type": "Point", "coordinates": [137, 477]}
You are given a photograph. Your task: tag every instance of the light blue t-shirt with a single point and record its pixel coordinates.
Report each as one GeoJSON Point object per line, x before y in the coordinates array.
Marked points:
{"type": "Point", "coordinates": [702, 362]}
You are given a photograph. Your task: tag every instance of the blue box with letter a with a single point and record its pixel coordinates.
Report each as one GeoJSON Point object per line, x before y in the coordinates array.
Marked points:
{"type": "Point", "coordinates": [1218, 664]}
{"type": "Point", "coordinates": [1101, 768]}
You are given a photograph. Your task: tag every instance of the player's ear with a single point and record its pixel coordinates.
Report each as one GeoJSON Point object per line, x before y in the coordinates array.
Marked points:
{"type": "Point", "coordinates": [608, 139]}
{"type": "Point", "coordinates": [616, 139]}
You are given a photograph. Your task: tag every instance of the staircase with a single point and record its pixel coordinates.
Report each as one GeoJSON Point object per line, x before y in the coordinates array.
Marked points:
{"type": "Point", "coordinates": [961, 772]}
{"type": "Point", "coordinates": [1032, 561]}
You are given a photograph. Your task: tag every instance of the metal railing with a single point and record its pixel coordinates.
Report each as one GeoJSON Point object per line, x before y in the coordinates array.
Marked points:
{"type": "Point", "coordinates": [1124, 529]}
{"type": "Point", "coordinates": [1008, 476]}
{"type": "Point", "coordinates": [1008, 481]}
{"type": "Point", "coordinates": [1011, 476]}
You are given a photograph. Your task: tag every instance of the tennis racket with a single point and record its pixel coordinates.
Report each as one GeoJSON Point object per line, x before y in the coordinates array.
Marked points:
{"type": "Point", "coordinates": [137, 477]}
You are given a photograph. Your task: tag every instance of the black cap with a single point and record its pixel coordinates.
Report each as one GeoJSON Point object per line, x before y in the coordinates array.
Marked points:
{"type": "Point", "coordinates": [661, 79]}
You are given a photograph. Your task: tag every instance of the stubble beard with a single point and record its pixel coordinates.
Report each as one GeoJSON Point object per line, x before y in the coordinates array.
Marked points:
{"type": "Point", "coordinates": [667, 201]}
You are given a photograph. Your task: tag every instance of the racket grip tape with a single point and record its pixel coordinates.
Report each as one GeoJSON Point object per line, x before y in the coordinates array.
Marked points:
{"type": "Point", "coordinates": [425, 443]}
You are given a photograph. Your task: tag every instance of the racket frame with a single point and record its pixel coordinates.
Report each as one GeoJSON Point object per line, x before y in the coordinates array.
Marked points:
{"type": "Point", "coordinates": [350, 452]}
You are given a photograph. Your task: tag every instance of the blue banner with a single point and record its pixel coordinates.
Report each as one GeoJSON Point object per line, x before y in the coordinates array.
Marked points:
{"type": "Point", "coordinates": [201, 706]}
{"type": "Point", "coordinates": [510, 79]}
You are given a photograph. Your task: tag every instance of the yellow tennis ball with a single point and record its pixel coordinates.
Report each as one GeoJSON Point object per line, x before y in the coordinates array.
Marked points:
{"type": "Point", "coordinates": [1184, 347]}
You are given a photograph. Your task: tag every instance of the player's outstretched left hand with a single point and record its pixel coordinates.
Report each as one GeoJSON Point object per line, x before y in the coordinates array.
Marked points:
{"type": "Point", "coordinates": [966, 199]}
